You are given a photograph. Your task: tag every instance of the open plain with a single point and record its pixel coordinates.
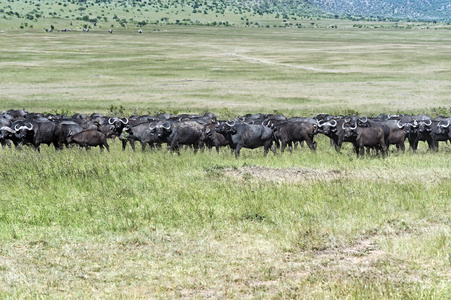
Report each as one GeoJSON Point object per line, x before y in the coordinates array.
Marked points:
{"type": "Point", "coordinates": [77, 224]}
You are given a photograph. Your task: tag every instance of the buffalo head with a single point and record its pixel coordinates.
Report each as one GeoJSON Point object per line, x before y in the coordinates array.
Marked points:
{"type": "Point", "coordinates": [226, 128]}
{"type": "Point", "coordinates": [348, 129]}
{"type": "Point", "coordinates": [160, 128]}
{"type": "Point", "coordinates": [118, 124]}
{"type": "Point", "coordinates": [327, 127]}
{"type": "Point", "coordinates": [23, 131]}
{"type": "Point", "coordinates": [425, 125]}
{"type": "Point", "coordinates": [442, 127]}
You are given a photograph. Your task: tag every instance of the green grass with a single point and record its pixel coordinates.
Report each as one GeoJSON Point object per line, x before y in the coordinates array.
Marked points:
{"type": "Point", "coordinates": [155, 225]}
{"type": "Point", "coordinates": [241, 69]}
{"type": "Point", "coordinates": [152, 224]}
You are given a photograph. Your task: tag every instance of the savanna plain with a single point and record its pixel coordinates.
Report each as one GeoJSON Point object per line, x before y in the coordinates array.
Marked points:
{"type": "Point", "coordinates": [124, 224]}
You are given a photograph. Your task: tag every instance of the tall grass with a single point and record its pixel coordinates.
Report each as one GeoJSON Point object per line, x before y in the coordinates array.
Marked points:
{"type": "Point", "coordinates": [331, 216]}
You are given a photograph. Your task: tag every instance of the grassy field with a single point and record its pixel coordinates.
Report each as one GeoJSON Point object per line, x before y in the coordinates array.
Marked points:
{"type": "Point", "coordinates": [154, 225]}
{"type": "Point", "coordinates": [178, 69]}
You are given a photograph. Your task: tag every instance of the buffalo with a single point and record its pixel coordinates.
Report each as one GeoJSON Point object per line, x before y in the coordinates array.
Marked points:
{"type": "Point", "coordinates": [179, 133]}
{"type": "Point", "coordinates": [88, 139]}
{"type": "Point", "coordinates": [247, 136]}
{"type": "Point", "coordinates": [289, 132]}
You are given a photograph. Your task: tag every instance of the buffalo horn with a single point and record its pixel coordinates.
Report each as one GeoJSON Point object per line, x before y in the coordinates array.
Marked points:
{"type": "Point", "coordinates": [400, 126]}
{"type": "Point", "coordinates": [29, 128]}
{"type": "Point", "coordinates": [124, 122]}
{"type": "Point", "coordinates": [429, 123]}
{"type": "Point", "coordinates": [7, 129]}
{"type": "Point", "coordinates": [151, 127]}
{"type": "Point", "coordinates": [110, 121]}
{"type": "Point", "coordinates": [16, 128]}
{"type": "Point", "coordinates": [364, 119]}
{"type": "Point", "coordinates": [166, 127]}
{"type": "Point", "coordinates": [230, 124]}
{"type": "Point", "coordinates": [354, 128]}
{"type": "Point", "coordinates": [443, 126]}
{"type": "Point", "coordinates": [334, 124]}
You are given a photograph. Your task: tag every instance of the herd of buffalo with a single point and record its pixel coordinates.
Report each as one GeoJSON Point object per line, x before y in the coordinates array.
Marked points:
{"type": "Point", "coordinates": [270, 131]}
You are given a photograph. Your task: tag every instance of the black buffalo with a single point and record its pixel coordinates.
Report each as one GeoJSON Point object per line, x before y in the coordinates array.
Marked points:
{"type": "Point", "coordinates": [88, 139]}
{"type": "Point", "coordinates": [367, 137]}
{"type": "Point", "coordinates": [179, 133]}
{"type": "Point", "coordinates": [248, 136]}
{"type": "Point", "coordinates": [212, 138]}
{"type": "Point", "coordinates": [397, 137]}
{"type": "Point", "coordinates": [37, 133]}
{"type": "Point", "coordinates": [440, 131]}
{"type": "Point", "coordinates": [143, 133]}
{"type": "Point", "coordinates": [289, 132]}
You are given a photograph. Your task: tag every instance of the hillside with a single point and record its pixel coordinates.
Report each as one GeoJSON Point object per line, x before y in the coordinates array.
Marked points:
{"type": "Point", "coordinates": [52, 14]}
{"type": "Point", "coordinates": [427, 10]}
{"type": "Point", "coordinates": [122, 14]}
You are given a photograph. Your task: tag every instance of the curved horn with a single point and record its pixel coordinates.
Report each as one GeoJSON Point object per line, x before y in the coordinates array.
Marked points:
{"type": "Point", "coordinates": [333, 125]}
{"type": "Point", "coordinates": [400, 126]}
{"type": "Point", "coordinates": [110, 121]}
{"type": "Point", "coordinates": [321, 123]}
{"type": "Point", "coordinates": [354, 128]}
{"type": "Point", "coordinates": [7, 129]}
{"type": "Point", "coordinates": [124, 122]}
{"type": "Point", "coordinates": [30, 128]}
{"type": "Point", "coordinates": [152, 127]}
{"type": "Point", "coordinates": [166, 127]}
{"type": "Point", "coordinates": [348, 119]}
{"type": "Point", "coordinates": [428, 124]}
{"type": "Point", "coordinates": [364, 119]}
{"type": "Point", "coordinates": [442, 125]}
{"type": "Point", "coordinates": [17, 128]}
{"type": "Point", "coordinates": [268, 124]}
{"type": "Point", "coordinates": [230, 124]}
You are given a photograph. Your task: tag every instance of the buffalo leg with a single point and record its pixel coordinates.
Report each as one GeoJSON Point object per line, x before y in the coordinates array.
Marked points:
{"type": "Point", "coordinates": [124, 144]}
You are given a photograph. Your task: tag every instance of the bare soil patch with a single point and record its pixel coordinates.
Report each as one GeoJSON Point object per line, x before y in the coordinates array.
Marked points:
{"type": "Point", "coordinates": [299, 175]}
{"type": "Point", "coordinates": [282, 175]}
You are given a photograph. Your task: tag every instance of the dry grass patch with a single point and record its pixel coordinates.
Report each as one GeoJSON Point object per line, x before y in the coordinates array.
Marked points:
{"type": "Point", "coordinates": [299, 175]}
{"type": "Point", "coordinates": [286, 175]}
